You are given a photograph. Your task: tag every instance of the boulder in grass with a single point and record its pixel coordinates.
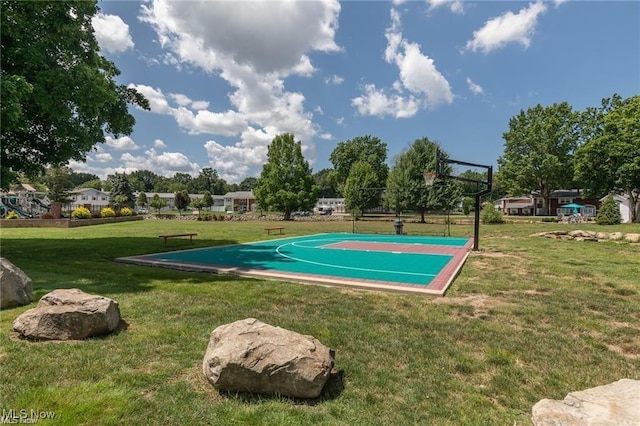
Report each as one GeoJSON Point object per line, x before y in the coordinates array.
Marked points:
{"type": "Point", "coordinates": [69, 314]}
{"type": "Point", "coordinates": [258, 358]}
{"type": "Point", "coordinates": [617, 403]}
{"type": "Point", "coordinates": [16, 288]}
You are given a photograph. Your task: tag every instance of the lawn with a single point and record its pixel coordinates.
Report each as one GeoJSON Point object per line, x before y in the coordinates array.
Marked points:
{"type": "Point", "coordinates": [527, 318]}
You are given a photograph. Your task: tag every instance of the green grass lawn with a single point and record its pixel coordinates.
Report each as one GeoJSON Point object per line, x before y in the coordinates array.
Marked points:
{"type": "Point", "coordinates": [527, 318]}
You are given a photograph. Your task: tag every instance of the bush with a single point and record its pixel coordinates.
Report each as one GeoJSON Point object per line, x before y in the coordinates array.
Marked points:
{"type": "Point", "coordinates": [609, 213]}
{"type": "Point", "coordinates": [81, 213]}
{"type": "Point", "coordinates": [107, 212]}
{"type": "Point", "coordinates": [489, 214]}
{"type": "Point", "coordinates": [549, 219]}
{"type": "Point", "coordinates": [46, 216]}
{"type": "Point", "coordinates": [126, 211]}
{"type": "Point", "coordinates": [12, 215]}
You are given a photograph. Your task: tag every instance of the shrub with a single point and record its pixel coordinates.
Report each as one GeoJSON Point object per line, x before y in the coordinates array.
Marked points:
{"type": "Point", "coordinates": [81, 213]}
{"type": "Point", "coordinates": [549, 219]}
{"type": "Point", "coordinates": [489, 214]}
{"type": "Point", "coordinates": [609, 213]}
{"type": "Point", "coordinates": [12, 215]}
{"type": "Point", "coordinates": [126, 211]}
{"type": "Point", "coordinates": [46, 216]}
{"type": "Point", "coordinates": [107, 212]}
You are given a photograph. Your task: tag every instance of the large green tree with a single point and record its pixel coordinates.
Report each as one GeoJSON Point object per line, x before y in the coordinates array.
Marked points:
{"type": "Point", "coordinates": [58, 92]}
{"type": "Point", "coordinates": [538, 151]}
{"type": "Point", "coordinates": [326, 185]}
{"type": "Point", "coordinates": [359, 189]}
{"type": "Point", "coordinates": [406, 186]}
{"type": "Point", "coordinates": [286, 183]}
{"type": "Point", "coordinates": [59, 184]}
{"type": "Point", "coordinates": [610, 160]}
{"type": "Point", "coordinates": [367, 149]}
{"type": "Point", "coordinates": [121, 194]}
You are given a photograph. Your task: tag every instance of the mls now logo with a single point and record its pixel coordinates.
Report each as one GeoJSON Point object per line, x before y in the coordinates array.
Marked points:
{"type": "Point", "coordinates": [24, 416]}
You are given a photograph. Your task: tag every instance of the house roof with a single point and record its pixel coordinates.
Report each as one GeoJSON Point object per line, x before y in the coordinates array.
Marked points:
{"type": "Point", "coordinates": [240, 194]}
{"type": "Point", "coordinates": [23, 187]}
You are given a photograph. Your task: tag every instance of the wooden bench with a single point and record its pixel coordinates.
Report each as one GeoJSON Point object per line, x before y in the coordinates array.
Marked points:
{"type": "Point", "coordinates": [190, 235]}
{"type": "Point", "coordinates": [274, 228]}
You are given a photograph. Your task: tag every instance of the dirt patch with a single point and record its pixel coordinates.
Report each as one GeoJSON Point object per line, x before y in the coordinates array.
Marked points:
{"type": "Point", "coordinates": [481, 303]}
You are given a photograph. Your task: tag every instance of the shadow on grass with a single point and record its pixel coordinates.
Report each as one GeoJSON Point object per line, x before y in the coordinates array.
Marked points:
{"type": "Point", "coordinates": [89, 263]}
{"type": "Point", "coordinates": [331, 390]}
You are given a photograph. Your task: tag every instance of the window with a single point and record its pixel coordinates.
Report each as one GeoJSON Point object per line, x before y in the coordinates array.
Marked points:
{"type": "Point", "coordinates": [565, 200]}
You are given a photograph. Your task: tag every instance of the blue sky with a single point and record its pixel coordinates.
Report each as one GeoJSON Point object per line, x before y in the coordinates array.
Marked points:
{"type": "Point", "coordinates": [225, 77]}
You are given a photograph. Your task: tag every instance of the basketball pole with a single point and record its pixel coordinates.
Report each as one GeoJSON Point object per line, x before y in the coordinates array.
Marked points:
{"type": "Point", "coordinates": [440, 162]}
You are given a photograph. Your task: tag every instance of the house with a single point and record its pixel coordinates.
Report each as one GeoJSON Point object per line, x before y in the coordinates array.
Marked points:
{"type": "Point", "coordinates": [240, 201]}
{"type": "Point", "coordinates": [516, 206]}
{"type": "Point", "coordinates": [561, 197]}
{"type": "Point", "coordinates": [93, 199]}
{"type": "Point", "coordinates": [335, 204]}
{"type": "Point", "coordinates": [624, 204]}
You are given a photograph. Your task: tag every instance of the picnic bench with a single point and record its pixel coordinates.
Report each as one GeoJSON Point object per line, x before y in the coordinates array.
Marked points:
{"type": "Point", "coordinates": [167, 236]}
{"type": "Point", "coordinates": [274, 228]}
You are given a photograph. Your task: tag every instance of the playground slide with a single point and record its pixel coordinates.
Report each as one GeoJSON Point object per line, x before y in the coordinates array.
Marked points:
{"type": "Point", "coordinates": [20, 212]}
{"type": "Point", "coordinates": [41, 204]}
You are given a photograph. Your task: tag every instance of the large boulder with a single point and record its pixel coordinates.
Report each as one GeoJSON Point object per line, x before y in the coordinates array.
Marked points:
{"type": "Point", "coordinates": [69, 314]}
{"type": "Point", "coordinates": [617, 403]}
{"type": "Point", "coordinates": [251, 356]}
{"type": "Point", "coordinates": [16, 288]}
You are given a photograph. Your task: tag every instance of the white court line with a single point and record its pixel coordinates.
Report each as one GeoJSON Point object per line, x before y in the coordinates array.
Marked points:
{"type": "Point", "coordinates": [329, 265]}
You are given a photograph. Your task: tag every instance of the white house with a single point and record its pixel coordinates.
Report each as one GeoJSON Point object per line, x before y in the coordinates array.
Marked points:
{"type": "Point", "coordinates": [336, 204]}
{"type": "Point", "coordinates": [91, 198]}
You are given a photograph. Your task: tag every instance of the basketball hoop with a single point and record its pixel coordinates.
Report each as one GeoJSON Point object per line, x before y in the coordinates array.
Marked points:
{"type": "Point", "coordinates": [429, 178]}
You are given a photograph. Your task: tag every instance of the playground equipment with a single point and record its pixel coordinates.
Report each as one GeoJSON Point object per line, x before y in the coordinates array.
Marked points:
{"type": "Point", "coordinates": [11, 204]}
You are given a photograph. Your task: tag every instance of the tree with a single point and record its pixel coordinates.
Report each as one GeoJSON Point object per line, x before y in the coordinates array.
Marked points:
{"type": "Point", "coordinates": [78, 179]}
{"type": "Point", "coordinates": [367, 149]}
{"type": "Point", "coordinates": [94, 183]}
{"type": "Point", "coordinates": [285, 183]}
{"type": "Point", "coordinates": [182, 201]}
{"type": "Point", "coordinates": [121, 194]}
{"type": "Point", "coordinates": [539, 148]}
{"type": "Point", "coordinates": [142, 199]}
{"type": "Point", "coordinates": [59, 184]}
{"type": "Point", "coordinates": [207, 199]}
{"type": "Point", "coordinates": [248, 184]}
{"type": "Point", "coordinates": [59, 95]}
{"type": "Point", "coordinates": [359, 190]}
{"type": "Point", "coordinates": [609, 212]}
{"type": "Point", "coordinates": [207, 180]}
{"type": "Point", "coordinates": [145, 180]}
{"type": "Point", "coordinates": [610, 161]}
{"type": "Point", "coordinates": [157, 202]}
{"type": "Point", "coordinates": [326, 185]}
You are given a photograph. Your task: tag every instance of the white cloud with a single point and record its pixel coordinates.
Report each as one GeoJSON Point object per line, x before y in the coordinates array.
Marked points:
{"type": "Point", "coordinates": [456, 6]}
{"type": "Point", "coordinates": [507, 28]}
{"type": "Point", "coordinates": [165, 164]}
{"type": "Point", "coordinates": [112, 33]}
{"type": "Point", "coordinates": [377, 102]}
{"type": "Point", "coordinates": [124, 143]}
{"type": "Point", "coordinates": [476, 89]}
{"type": "Point", "coordinates": [103, 157]}
{"type": "Point", "coordinates": [227, 123]}
{"type": "Point", "coordinates": [253, 48]}
{"type": "Point", "coordinates": [157, 101]}
{"type": "Point", "coordinates": [265, 35]}
{"type": "Point", "coordinates": [158, 143]}
{"type": "Point", "coordinates": [418, 74]}
{"type": "Point", "coordinates": [334, 79]}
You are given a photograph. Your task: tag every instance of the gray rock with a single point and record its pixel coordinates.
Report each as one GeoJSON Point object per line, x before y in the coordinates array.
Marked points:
{"type": "Point", "coordinates": [632, 238]}
{"type": "Point", "coordinates": [16, 288]}
{"type": "Point", "coordinates": [251, 356]}
{"type": "Point", "coordinates": [617, 404]}
{"type": "Point", "coordinates": [69, 314]}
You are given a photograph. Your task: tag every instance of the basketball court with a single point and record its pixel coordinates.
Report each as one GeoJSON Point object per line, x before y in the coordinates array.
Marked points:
{"type": "Point", "coordinates": [400, 263]}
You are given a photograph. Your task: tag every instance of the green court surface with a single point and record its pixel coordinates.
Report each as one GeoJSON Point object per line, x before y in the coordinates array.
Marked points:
{"type": "Point", "coordinates": [415, 264]}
